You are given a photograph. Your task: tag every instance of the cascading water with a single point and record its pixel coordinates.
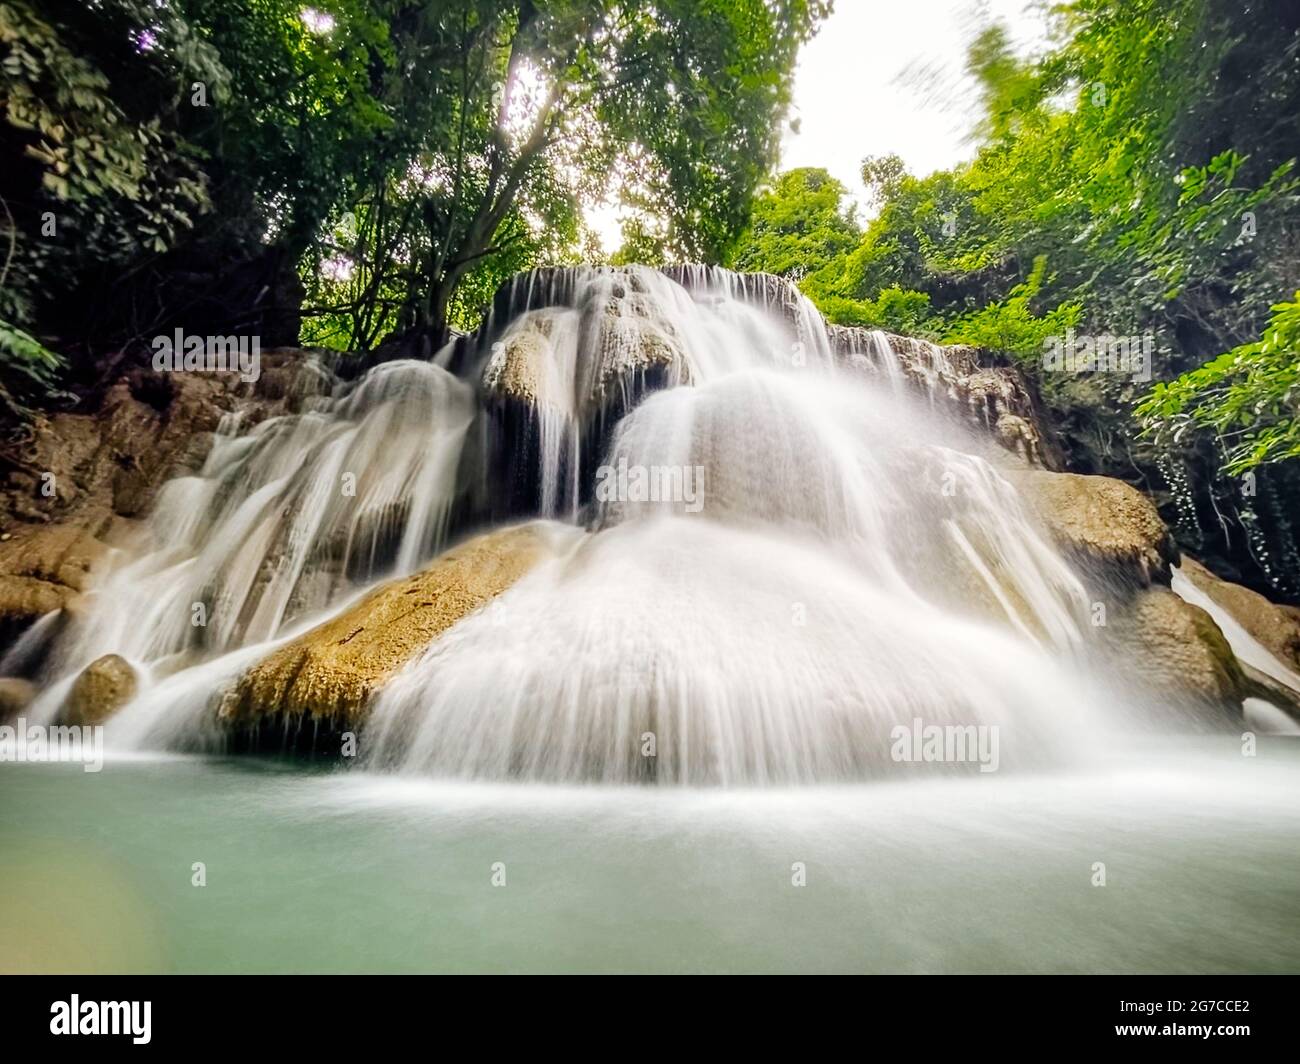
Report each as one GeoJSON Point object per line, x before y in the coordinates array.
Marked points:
{"type": "Point", "coordinates": [824, 553]}
{"type": "Point", "coordinates": [283, 520]}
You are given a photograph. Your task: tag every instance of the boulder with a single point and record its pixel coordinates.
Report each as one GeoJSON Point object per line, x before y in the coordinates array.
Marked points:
{"type": "Point", "coordinates": [1103, 523]}
{"type": "Point", "coordinates": [104, 686]}
{"type": "Point", "coordinates": [621, 345]}
{"type": "Point", "coordinates": [634, 343]}
{"type": "Point", "coordinates": [331, 671]}
{"type": "Point", "coordinates": [1276, 627]}
{"type": "Point", "coordinates": [1179, 652]}
{"type": "Point", "coordinates": [23, 599]}
{"type": "Point", "coordinates": [58, 554]}
{"type": "Point", "coordinates": [1019, 436]}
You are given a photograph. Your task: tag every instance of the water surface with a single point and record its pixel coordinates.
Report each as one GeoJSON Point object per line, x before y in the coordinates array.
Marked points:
{"type": "Point", "coordinates": [324, 871]}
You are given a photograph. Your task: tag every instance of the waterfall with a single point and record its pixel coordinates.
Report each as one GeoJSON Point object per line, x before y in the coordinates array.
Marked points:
{"type": "Point", "coordinates": [283, 520]}
{"type": "Point", "coordinates": [832, 551]}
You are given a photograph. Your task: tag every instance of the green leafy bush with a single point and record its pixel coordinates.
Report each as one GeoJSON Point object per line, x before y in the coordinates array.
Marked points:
{"type": "Point", "coordinates": [1249, 397]}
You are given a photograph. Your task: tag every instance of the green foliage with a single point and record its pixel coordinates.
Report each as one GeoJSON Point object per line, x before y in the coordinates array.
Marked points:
{"type": "Point", "coordinates": [883, 175]}
{"type": "Point", "coordinates": [895, 309]}
{"type": "Point", "coordinates": [798, 227]}
{"type": "Point", "coordinates": [309, 105]}
{"type": "Point", "coordinates": [1249, 397]}
{"type": "Point", "coordinates": [1011, 324]}
{"type": "Point", "coordinates": [510, 113]}
{"type": "Point", "coordinates": [403, 157]}
{"type": "Point", "coordinates": [26, 367]}
{"type": "Point", "coordinates": [96, 176]}
{"type": "Point", "coordinates": [692, 109]}
{"type": "Point", "coordinates": [22, 353]}
{"type": "Point", "coordinates": [804, 228]}
{"type": "Point", "coordinates": [1133, 180]}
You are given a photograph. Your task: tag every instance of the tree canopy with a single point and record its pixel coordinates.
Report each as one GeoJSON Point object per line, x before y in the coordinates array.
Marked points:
{"type": "Point", "coordinates": [364, 167]}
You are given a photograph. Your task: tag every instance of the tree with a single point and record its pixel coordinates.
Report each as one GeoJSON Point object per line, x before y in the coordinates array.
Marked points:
{"type": "Point", "coordinates": [96, 170]}
{"type": "Point", "coordinates": [799, 226]}
{"type": "Point", "coordinates": [511, 112]}
{"type": "Point", "coordinates": [211, 163]}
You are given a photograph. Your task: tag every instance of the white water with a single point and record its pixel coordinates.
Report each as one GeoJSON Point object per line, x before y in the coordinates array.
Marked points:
{"type": "Point", "coordinates": [277, 525]}
{"type": "Point", "coordinates": [1250, 651]}
{"type": "Point", "coordinates": [857, 560]}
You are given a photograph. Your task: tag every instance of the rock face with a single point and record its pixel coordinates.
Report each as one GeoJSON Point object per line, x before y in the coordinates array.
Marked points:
{"type": "Point", "coordinates": [1181, 653]}
{"type": "Point", "coordinates": [1276, 627]}
{"type": "Point", "coordinates": [621, 343]}
{"type": "Point", "coordinates": [1103, 523]}
{"type": "Point", "coordinates": [331, 671]}
{"type": "Point", "coordinates": [83, 478]}
{"type": "Point", "coordinates": [991, 394]}
{"type": "Point", "coordinates": [43, 568]}
{"type": "Point", "coordinates": [523, 368]}
{"type": "Point", "coordinates": [104, 686]}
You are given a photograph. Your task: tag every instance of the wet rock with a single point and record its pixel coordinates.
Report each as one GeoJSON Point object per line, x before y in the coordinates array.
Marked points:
{"type": "Point", "coordinates": [621, 347]}
{"type": "Point", "coordinates": [1103, 523]}
{"type": "Point", "coordinates": [42, 569]}
{"type": "Point", "coordinates": [82, 479]}
{"type": "Point", "coordinates": [104, 686]}
{"type": "Point", "coordinates": [332, 671]}
{"type": "Point", "coordinates": [1276, 627]}
{"type": "Point", "coordinates": [981, 387]}
{"type": "Point", "coordinates": [523, 366]}
{"type": "Point", "coordinates": [1180, 653]}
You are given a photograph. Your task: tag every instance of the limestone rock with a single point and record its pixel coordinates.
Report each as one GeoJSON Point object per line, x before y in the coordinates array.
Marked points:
{"type": "Point", "coordinates": [1102, 521]}
{"type": "Point", "coordinates": [42, 568]}
{"type": "Point", "coordinates": [523, 366]}
{"type": "Point", "coordinates": [981, 387]}
{"type": "Point", "coordinates": [1276, 627]}
{"type": "Point", "coordinates": [619, 342]}
{"type": "Point", "coordinates": [1181, 652]}
{"type": "Point", "coordinates": [81, 478]}
{"type": "Point", "coordinates": [331, 671]}
{"type": "Point", "coordinates": [633, 343]}
{"type": "Point", "coordinates": [104, 686]}
{"type": "Point", "coordinates": [15, 696]}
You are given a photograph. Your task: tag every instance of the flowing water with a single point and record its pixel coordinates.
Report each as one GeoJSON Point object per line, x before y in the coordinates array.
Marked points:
{"type": "Point", "coordinates": [765, 554]}
{"type": "Point", "coordinates": [824, 551]}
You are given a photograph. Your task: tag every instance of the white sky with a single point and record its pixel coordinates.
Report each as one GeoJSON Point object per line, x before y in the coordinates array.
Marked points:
{"type": "Point", "coordinates": [852, 97]}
